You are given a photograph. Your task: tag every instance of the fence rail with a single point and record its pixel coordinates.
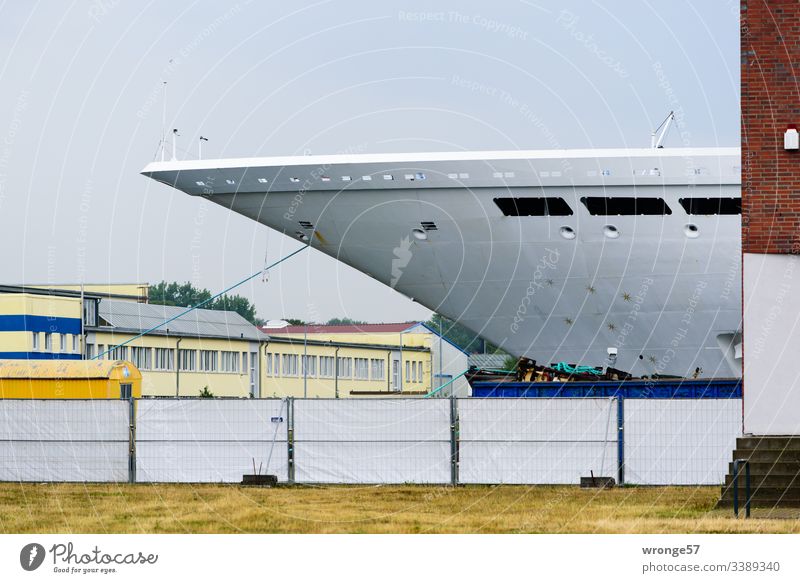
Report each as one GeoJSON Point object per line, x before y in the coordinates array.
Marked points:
{"type": "Point", "coordinates": [357, 441]}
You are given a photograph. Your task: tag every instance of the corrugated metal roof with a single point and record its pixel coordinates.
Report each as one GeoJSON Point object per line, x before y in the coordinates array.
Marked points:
{"type": "Point", "coordinates": [487, 360]}
{"type": "Point", "coordinates": [206, 323]}
{"type": "Point", "coordinates": [62, 369]}
{"type": "Point", "coordinates": [342, 329]}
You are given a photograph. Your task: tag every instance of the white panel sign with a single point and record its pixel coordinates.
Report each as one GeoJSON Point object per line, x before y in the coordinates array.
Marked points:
{"type": "Point", "coordinates": [771, 344]}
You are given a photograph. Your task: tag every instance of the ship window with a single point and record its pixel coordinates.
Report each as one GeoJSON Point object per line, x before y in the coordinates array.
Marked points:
{"type": "Point", "coordinates": [366, 178]}
{"type": "Point", "coordinates": [294, 179]}
{"type": "Point", "coordinates": [388, 177]}
{"type": "Point", "coordinates": [345, 178]}
{"type": "Point", "coordinates": [326, 179]}
{"type": "Point", "coordinates": [263, 180]}
{"type": "Point", "coordinates": [601, 205]}
{"type": "Point", "coordinates": [534, 207]}
{"type": "Point", "coordinates": [452, 176]}
{"type": "Point", "coordinates": [229, 181]}
{"type": "Point", "coordinates": [712, 206]}
{"type": "Point", "coordinates": [463, 175]}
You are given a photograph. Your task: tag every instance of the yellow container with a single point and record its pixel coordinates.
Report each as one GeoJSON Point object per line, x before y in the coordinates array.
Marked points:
{"type": "Point", "coordinates": [69, 379]}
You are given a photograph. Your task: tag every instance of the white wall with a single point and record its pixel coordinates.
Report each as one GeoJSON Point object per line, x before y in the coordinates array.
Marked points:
{"type": "Point", "coordinates": [771, 344]}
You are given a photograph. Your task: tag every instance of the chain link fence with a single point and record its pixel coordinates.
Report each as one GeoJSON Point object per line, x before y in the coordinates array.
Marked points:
{"type": "Point", "coordinates": [375, 441]}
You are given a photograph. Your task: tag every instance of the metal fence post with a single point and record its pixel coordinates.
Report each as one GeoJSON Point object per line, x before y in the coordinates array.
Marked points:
{"type": "Point", "coordinates": [453, 441]}
{"type": "Point", "coordinates": [620, 440]}
{"type": "Point", "coordinates": [132, 441]}
{"type": "Point", "coordinates": [290, 439]}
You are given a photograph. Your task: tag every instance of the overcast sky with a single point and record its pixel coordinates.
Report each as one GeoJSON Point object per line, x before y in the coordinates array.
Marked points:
{"type": "Point", "coordinates": [81, 114]}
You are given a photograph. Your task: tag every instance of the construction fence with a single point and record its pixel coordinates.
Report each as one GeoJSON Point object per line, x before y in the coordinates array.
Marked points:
{"type": "Point", "coordinates": [370, 441]}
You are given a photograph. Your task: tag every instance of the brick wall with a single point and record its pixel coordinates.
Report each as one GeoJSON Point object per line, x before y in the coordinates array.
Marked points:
{"type": "Point", "coordinates": [770, 45]}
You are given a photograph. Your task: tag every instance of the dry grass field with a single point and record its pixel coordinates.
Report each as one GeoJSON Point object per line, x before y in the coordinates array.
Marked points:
{"type": "Point", "coordinates": [188, 508]}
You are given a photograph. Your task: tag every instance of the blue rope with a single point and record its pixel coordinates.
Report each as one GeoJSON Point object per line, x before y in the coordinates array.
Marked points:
{"type": "Point", "coordinates": [204, 302]}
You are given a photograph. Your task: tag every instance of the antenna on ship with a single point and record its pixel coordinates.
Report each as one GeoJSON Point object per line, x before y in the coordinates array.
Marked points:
{"type": "Point", "coordinates": [200, 147]}
{"type": "Point", "coordinates": [164, 121]}
{"type": "Point", "coordinates": [658, 143]}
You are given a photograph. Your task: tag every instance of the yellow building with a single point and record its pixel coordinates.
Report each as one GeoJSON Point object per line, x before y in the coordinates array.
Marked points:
{"type": "Point", "coordinates": [39, 326]}
{"type": "Point", "coordinates": [69, 379]}
{"type": "Point", "coordinates": [298, 367]}
{"type": "Point", "coordinates": [417, 358]}
{"type": "Point", "coordinates": [204, 349]}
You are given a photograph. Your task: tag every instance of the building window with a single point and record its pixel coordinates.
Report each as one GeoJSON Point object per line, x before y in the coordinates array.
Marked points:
{"type": "Point", "coordinates": [268, 364]}
{"type": "Point", "coordinates": [62, 342]}
{"type": "Point", "coordinates": [35, 337]}
{"type": "Point", "coordinates": [100, 351]}
{"type": "Point", "coordinates": [75, 343]}
{"type": "Point", "coordinates": [362, 368]}
{"type": "Point", "coordinates": [48, 342]}
{"type": "Point", "coordinates": [119, 353]}
{"type": "Point", "coordinates": [229, 361]}
{"type": "Point", "coordinates": [165, 359]}
{"type": "Point", "coordinates": [310, 366]}
{"type": "Point", "coordinates": [345, 367]}
{"type": "Point", "coordinates": [326, 366]}
{"type": "Point", "coordinates": [141, 357]}
{"type": "Point", "coordinates": [208, 360]}
{"type": "Point", "coordinates": [244, 362]}
{"type": "Point", "coordinates": [187, 359]}
{"type": "Point", "coordinates": [289, 365]}
{"type": "Point", "coordinates": [408, 371]}
{"type": "Point", "coordinates": [377, 372]}
{"type": "Point", "coordinates": [89, 351]}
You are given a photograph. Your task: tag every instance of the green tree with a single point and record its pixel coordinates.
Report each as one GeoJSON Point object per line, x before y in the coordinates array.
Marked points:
{"type": "Point", "coordinates": [344, 322]}
{"type": "Point", "coordinates": [185, 295]}
{"type": "Point", "coordinates": [461, 336]}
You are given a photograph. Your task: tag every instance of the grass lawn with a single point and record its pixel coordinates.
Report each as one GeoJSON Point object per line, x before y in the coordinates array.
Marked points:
{"type": "Point", "coordinates": [192, 508]}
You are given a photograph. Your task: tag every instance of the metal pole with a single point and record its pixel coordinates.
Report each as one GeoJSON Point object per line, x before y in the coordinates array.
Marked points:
{"type": "Point", "coordinates": [620, 441]}
{"type": "Point", "coordinates": [736, 488]}
{"type": "Point", "coordinates": [290, 439]}
{"type": "Point", "coordinates": [453, 442]}
{"type": "Point", "coordinates": [132, 441]}
{"type": "Point", "coordinates": [747, 489]}
{"type": "Point", "coordinates": [336, 373]}
{"type": "Point", "coordinates": [178, 367]}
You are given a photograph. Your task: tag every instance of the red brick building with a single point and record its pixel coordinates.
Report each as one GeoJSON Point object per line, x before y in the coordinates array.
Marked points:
{"type": "Point", "coordinates": [770, 102]}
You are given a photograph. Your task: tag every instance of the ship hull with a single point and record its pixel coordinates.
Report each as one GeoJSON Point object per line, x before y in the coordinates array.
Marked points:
{"type": "Point", "coordinates": [652, 294]}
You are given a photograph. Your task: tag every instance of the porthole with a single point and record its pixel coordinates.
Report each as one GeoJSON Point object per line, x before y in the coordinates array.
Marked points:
{"type": "Point", "coordinates": [691, 230]}
{"type": "Point", "coordinates": [611, 231]}
{"type": "Point", "coordinates": [567, 232]}
{"type": "Point", "coordinates": [419, 234]}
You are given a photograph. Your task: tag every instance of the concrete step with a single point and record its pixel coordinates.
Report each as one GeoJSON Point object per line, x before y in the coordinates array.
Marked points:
{"type": "Point", "coordinates": [765, 493]}
{"type": "Point", "coordinates": [762, 468]}
{"type": "Point", "coordinates": [768, 480]}
{"type": "Point", "coordinates": [768, 455]}
{"type": "Point", "coordinates": [759, 442]}
{"type": "Point", "coordinates": [765, 502]}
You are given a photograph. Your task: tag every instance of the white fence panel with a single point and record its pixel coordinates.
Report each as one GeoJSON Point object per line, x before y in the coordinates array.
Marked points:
{"type": "Point", "coordinates": [64, 440]}
{"type": "Point", "coordinates": [210, 440]}
{"type": "Point", "coordinates": [364, 441]}
{"type": "Point", "coordinates": [536, 441]}
{"type": "Point", "coordinates": [680, 441]}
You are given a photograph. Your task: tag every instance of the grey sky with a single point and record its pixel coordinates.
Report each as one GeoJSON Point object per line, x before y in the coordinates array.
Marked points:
{"type": "Point", "coordinates": [81, 108]}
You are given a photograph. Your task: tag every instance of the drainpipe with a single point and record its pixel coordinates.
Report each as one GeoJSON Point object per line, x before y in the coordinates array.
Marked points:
{"type": "Point", "coordinates": [389, 371]}
{"type": "Point", "coordinates": [178, 367]}
{"type": "Point", "coordinates": [305, 362]}
{"type": "Point", "coordinates": [401, 362]}
{"type": "Point", "coordinates": [336, 373]}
